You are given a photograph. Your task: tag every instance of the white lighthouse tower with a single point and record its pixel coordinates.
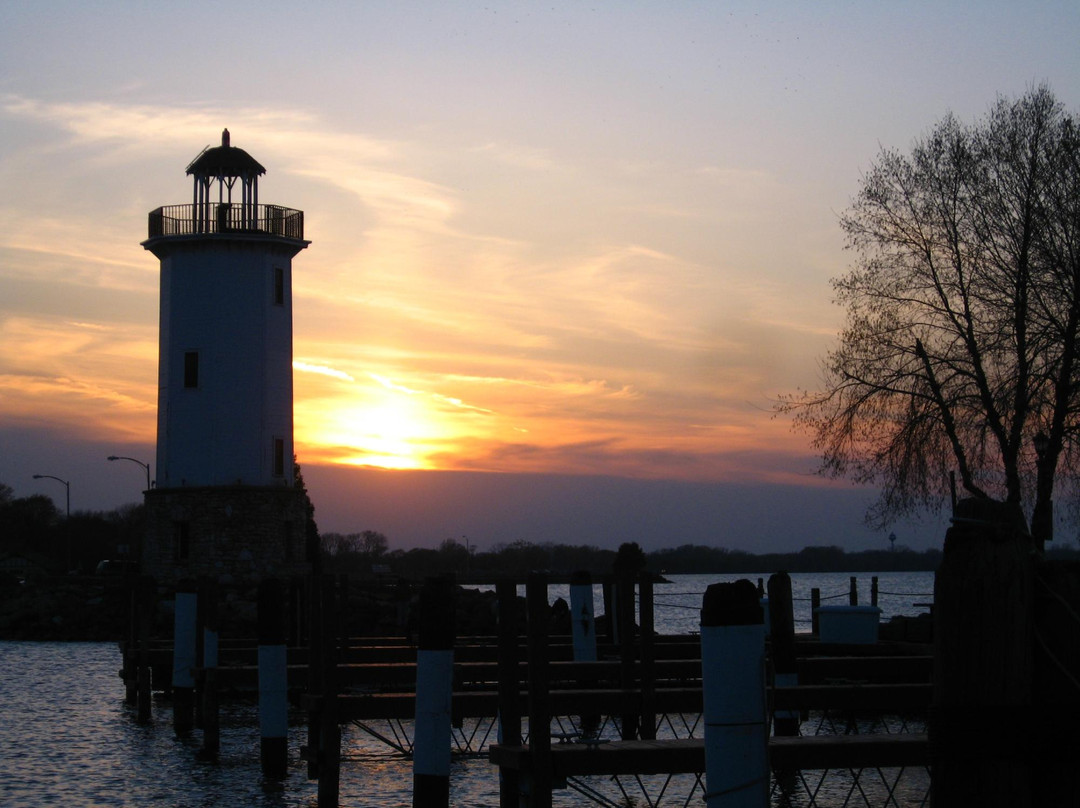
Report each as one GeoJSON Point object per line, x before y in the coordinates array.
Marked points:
{"type": "Point", "coordinates": [225, 502]}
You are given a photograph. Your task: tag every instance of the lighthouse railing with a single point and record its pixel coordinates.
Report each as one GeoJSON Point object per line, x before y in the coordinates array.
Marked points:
{"type": "Point", "coordinates": [214, 218]}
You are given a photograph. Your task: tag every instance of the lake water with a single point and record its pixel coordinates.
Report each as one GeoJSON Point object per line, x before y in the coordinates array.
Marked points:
{"type": "Point", "coordinates": [67, 739]}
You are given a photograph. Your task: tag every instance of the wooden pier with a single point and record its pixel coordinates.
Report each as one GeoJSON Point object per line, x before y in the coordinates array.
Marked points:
{"type": "Point", "coordinates": [339, 680]}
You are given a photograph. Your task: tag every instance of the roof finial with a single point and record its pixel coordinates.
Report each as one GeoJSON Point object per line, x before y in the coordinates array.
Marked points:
{"type": "Point", "coordinates": [225, 137]}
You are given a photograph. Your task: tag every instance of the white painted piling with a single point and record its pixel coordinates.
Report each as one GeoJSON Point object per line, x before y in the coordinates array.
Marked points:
{"type": "Point", "coordinates": [184, 656]}
{"type": "Point", "coordinates": [733, 694]}
{"type": "Point", "coordinates": [582, 618]}
{"type": "Point", "coordinates": [434, 691]}
{"type": "Point", "coordinates": [273, 681]}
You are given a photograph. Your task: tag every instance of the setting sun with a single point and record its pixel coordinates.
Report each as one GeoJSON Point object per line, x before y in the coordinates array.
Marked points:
{"type": "Point", "coordinates": [393, 434]}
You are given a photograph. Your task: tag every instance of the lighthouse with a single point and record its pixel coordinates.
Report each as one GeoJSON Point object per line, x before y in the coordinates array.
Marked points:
{"type": "Point", "coordinates": [225, 503]}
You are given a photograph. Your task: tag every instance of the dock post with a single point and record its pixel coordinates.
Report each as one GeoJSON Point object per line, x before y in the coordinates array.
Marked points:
{"type": "Point", "coordinates": [874, 591]}
{"type": "Point", "coordinates": [582, 618]}
{"type": "Point", "coordinates": [131, 645]}
{"type": "Point", "coordinates": [583, 633]}
{"type": "Point", "coordinates": [329, 732]}
{"type": "Point", "coordinates": [624, 611]}
{"type": "Point", "coordinates": [853, 594]}
{"type": "Point", "coordinates": [509, 689]}
{"type": "Point", "coordinates": [208, 704]}
{"type": "Point", "coordinates": [183, 672]}
{"type": "Point", "coordinates": [539, 778]}
{"type": "Point", "coordinates": [145, 596]}
{"type": "Point", "coordinates": [982, 729]}
{"type": "Point", "coordinates": [315, 685]}
{"type": "Point", "coordinates": [815, 604]}
{"type": "Point", "coordinates": [647, 727]}
{"type": "Point", "coordinates": [273, 681]}
{"type": "Point", "coordinates": [782, 631]}
{"type": "Point", "coordinates": [434, 694]}
{"type": "Point", "coordinates": [1056, 697]}
{"type": "Point", "coordinates": [733, 696]}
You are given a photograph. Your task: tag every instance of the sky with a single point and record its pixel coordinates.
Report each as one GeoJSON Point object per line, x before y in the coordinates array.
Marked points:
{"type": "Point", "coordinates": [565, 256]}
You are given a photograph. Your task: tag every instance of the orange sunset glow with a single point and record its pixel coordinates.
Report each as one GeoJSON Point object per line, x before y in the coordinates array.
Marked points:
{"type": "Point", "coordinates": [562, 241]}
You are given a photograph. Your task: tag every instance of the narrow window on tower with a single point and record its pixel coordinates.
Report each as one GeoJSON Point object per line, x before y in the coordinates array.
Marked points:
{"type": "Point", "coordinates": [191, 369]}
{"type": "Point", "coordinates": [279, 286]}
{"type": "Point", "coordinates": [181, 541]}
{"type": "Point", "coordinates": [279, 457]}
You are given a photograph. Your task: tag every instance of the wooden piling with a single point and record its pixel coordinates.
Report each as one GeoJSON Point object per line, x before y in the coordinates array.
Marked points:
{"type": "Point", "coordinates": [434, 688]}
{"type": "Point", "coordinates": [647, 726]}
{"type": "Point", "coordinates": [329, 732]}
{"type": "Point", "coordinates": [981, 721]}
{"type": "Point", "coordinates": [815, 604]}
{"type": "Point", "coordinates": [583, 635]}
{"type": "Point", "coordinates": [1056, 672]}
{"type": "Point", "coordinates": [784, 663]}
{"type": "Point", "coordinates": [853, 593]}
{"type": "Point", "coordinates": [316, 656]}
{"type": "Point", "coordinates": [273, 684]}
{"type": "Point", "coordinates": [874, 591]}
{"type": "Point", "coordinates": [131, 645]}
{"type": "Point", "coordinates": [209, 702]}
{"type": "Point", "coordinates": [624, 598]}
{"type": "Point", "coordinates": [145, 598]}
{"type": "Point", "coordinates": [733, 696]}
{"type": "Point", "coordinates": [539, 787]}
{"type": "Point", "coordinates": [184, 660]}
{"type": "Point", "coordinates": [509, 700]}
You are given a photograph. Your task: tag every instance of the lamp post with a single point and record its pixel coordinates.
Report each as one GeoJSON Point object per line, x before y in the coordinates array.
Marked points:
{"type": "Point", "coordinates": [133, 460]}
{"type": "Point", "coordinates": [67, 500]}
{"type": "Point", "coordinates": [67, 488]}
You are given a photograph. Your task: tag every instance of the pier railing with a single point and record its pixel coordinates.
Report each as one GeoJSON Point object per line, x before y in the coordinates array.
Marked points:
{"type": "Point", "coordinates": [226, 218]}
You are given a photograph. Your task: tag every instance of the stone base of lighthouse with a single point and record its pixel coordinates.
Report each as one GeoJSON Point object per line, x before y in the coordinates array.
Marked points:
{"type": "Point", "coordinates": [230, 534]}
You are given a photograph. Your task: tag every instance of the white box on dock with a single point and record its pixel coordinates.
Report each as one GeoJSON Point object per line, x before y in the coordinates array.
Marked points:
{"type": "Point", "coordinates": [857, 625]}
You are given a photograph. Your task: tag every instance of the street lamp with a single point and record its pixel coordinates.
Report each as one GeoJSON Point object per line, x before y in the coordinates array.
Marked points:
{"type": "Point", "coordinates": [67, 492]}
{"type": "Point", "coordinates": [67, 487]}
{"type": "Point", "coordinates": [133, 460]}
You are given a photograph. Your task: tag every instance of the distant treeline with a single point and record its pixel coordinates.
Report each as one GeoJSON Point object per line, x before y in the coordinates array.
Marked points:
{"type": "Point", "coordinates": [363, 553]}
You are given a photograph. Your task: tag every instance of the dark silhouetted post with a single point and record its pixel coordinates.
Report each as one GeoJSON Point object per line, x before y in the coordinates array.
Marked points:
{"type": "Point", "coordinates": [315, 685]}
{"type": "Point", "coordinates": [980, 727]}
{"type": "Point", "coordinates": [509, 684]}
{"type": "Point", "coordinates": [647, 730]}
{"type": "Point", "coordinates": [733, 695]}
{"type": "Point", "coordinates": [853, 595]}
{"type": "Point", "coordinates": [146, 592]}
{"type": "Point", "coordinates": [539, 697]}
{"type": "Point", "coordinates": [273, 680]}
{"type": "Point", "coordinates": [434, 693]}
{"type": "Point", "coordinates": [873, 591]}
{"type": "Point", "coordinates": [329, 743]}
{"type": "Point", "coordinates": [624, 610]}
{"type": "Point", "coordinates": [208, 706]}
{"type": "Point", "coordinates": [782, 632]}
{"type": "Point", "coordinates": [583, 632]}
{"type": "Point", "coordinates": [815, 604]}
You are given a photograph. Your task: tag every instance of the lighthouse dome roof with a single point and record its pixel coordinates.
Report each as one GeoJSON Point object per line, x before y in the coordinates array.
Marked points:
{"type": "Point", "coordinates": [225, 161]}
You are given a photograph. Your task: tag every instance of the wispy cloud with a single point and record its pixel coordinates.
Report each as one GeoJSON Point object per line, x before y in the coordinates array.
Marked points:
{"type": "Point", "coordinates": [544, 303]}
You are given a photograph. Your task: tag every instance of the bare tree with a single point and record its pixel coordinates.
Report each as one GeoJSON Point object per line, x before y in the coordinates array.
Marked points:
{"type": "Point", "coordinates": [963, 314]}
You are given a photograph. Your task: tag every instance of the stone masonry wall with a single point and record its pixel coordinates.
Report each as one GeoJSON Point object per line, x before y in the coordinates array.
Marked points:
{"type": "Point", "coordinates": [228, 534]}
